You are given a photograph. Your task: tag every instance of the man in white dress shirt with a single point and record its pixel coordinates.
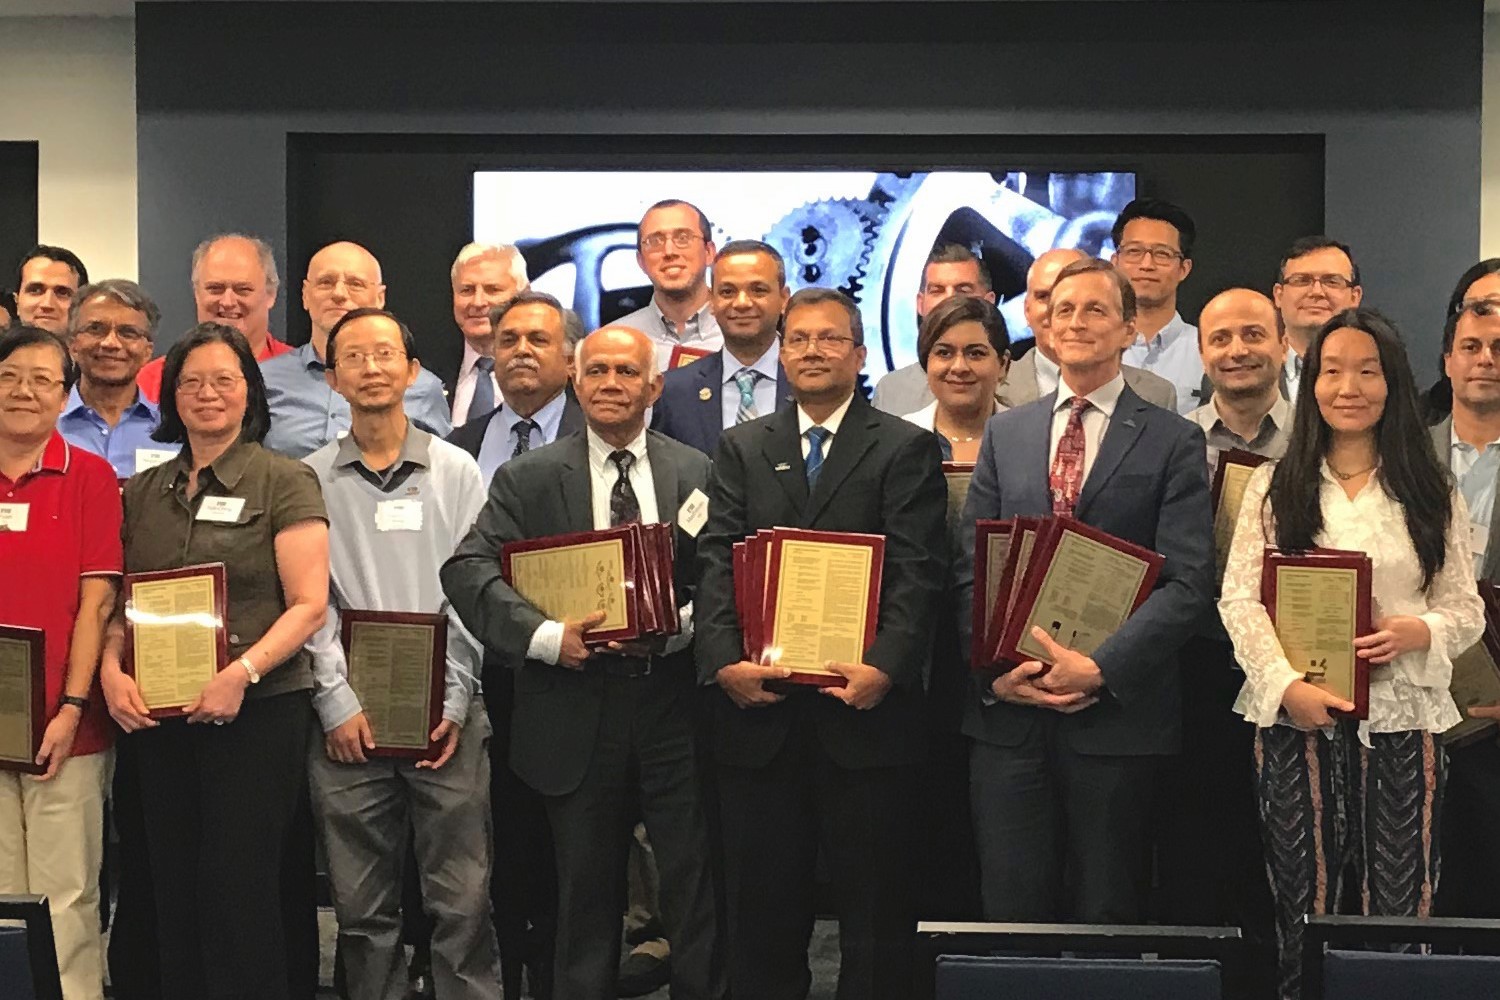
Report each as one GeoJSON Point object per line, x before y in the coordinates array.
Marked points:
{"type": "Point", "coordinates": [483, 276]}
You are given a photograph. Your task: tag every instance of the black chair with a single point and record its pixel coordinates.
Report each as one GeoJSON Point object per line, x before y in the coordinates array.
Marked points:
{"type": "Point", "coordinates": [957, 961]}
{"type": "Point", "coordinates": [1334, 966]}
{"type": "Point", "coordinates": [28, 956]}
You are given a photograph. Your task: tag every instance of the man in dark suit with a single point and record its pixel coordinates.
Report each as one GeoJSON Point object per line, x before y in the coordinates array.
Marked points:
{"type": "Point", "coordinates": [1064, 760]}
{"type": "Point", "coordinates": [743, 379]}
{"type": "Point", "coordinates": [830, 768]}
{"type": "Point", "coordinates": [599, 732]}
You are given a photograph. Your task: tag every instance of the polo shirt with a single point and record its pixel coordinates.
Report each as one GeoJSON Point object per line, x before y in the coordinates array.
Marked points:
{"type": "Point", "coordinates": [149, 378]}
{"type": "Point", "coordinates": [162, 532]}
{"type": "Point", "coordinates": [127, 445]}
{"type": "Point", "coordinates": [72, 530]}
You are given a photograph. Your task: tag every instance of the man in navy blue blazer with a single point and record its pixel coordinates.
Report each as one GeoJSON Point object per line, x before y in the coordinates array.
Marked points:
{"type": "Point", "coordinates": [1065, 759]}
{"type": "Point", "coordinates": [743, 379]}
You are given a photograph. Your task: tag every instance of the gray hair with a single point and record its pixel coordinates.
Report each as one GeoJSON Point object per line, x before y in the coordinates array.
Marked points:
{"type": "Point", "coordinates": [126, 293]}
{"type": "Point", "coordinates": [653, 366]}
{"type": "Point", "coordinates": [262, 251]}
{"type": "Point", "coordinates": [505, 252]}
{"type": "Point", "coordinates": [572, 324]}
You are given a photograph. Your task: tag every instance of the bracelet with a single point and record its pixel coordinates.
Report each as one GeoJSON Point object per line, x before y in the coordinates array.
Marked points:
{"type": "Point", "coordinates": [244, 661]}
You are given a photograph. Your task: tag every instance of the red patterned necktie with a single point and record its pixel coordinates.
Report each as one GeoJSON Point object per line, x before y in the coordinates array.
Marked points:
{"type": "Point", "coordinates": [1067, 465]}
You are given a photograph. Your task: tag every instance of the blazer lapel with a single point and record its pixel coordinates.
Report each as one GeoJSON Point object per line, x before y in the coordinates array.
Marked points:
{"type": "Point", "coordinates": [783, 388]}
{"type": "Point", "coordinates": [708, 392]}
{"type": "Point", "coordinates": [1036, 438]}
{"type": "Point", "coordinates": [855, 437]}
{"type": "Point", "coordinates": [575, 483]}
{"type": "Point", "coordinates": [783, 450]}
{"type": "Point", "coordinates": [663, 477]}
{"type": "Point", "coordinates": [1124, 427]}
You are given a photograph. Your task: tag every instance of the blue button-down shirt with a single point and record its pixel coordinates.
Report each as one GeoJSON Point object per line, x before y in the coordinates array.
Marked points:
{"type": "Point", "coordinates": [1173, 354]}
{"type": "Point", "coordinates": [1476, 471]}
{"type": "Point", "coordinates": [765, 386]}
{"type": "Point", "coordinates": [125, 445]}
{"type": "Point", "coordinates": [306, 414]}
{"type": "Point", "coordinates": [499, 442]}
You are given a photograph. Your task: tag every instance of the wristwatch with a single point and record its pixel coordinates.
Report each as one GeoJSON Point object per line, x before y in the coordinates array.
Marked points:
{"type": "Point", "coordinates": [244, 661]}
{"type": "Point", "coordinates": [79, 703]}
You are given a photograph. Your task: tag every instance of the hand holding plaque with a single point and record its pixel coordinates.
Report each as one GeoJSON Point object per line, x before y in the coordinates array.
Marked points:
{"type": "Point", "coordinates": [1319, 603]}
{"type": "Point", "coordinates": [174, 635]}
{"type": "Point", "coordinates": [23, 710]}
{"type": "Point", "coordinates": [397, 666]}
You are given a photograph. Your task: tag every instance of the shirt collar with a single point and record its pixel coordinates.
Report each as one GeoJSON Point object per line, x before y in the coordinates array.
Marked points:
{"type": "Point", "coordinates": [141, 405]}
{"type": "Point", "coordinates": [831, 424]}
{"type": "Point", "coordinates": [1173, 329]}
{"type": "Point", "coordinates": [765, 364]}
{"type": "Point", "coordinates": [415, 449]}
{"type": "Point", "coordinates": [308, 357]}
{"type": "Point", "coordinates": [548, 418]}
{"type": "Point", "coordinates": [694, 322]}
{"type": "Point", "coordinates": [600, 449]}
{"type": "Point", "coordinates": [1279, 415]}
{"type": "Point", "coordinates": [1454, 442]}
{"type": "Point", "coordinates": [1104, 398]}
{"type": "Point", "coordinates": [228, 468]}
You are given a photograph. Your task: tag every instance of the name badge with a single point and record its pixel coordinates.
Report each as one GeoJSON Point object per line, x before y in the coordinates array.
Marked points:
{"type": "Point", "coordinates": [398, 515]}
{"type": "Point", "coordinates": [150, 458]}
{"type": "Point", "coordinates": [693, 514]}
{"type": "Point", "coordinates": [1479, 538]}
{"type": "Point", "coordinates": [221, 510]}
{"type": "Point", "coordinates": [13, 516]}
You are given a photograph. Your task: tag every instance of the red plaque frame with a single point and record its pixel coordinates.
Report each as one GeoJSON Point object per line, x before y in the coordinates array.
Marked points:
{"type": "Point", "coordinates": [876, 543]}
{"type": "Point", "coordinates": [682, 356]}
{"type": "Point", "coordinates": [629, 536]}
{"type": "Point", "coordinates": [982, 615]}
{"type": "Point", "coordinates": [221, 632]}
{"type": "Point", "coordinates": [437, 672]}
{"type": "Point", "coordinates": [36, 639]}
{"type": "Point", "coordinates": [1009, 588]}
{"type": "Point", "coordinates": [1359, 562]}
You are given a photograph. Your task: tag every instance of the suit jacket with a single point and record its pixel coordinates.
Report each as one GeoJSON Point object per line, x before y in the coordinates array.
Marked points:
{"type": "Point", "coordinates": [1442, 440]}
{"type": "Point", "coordinates": [1020, 385]}
{"type": "Point", "coordinates": [470, 435]}
{"type": "Point", "coordinates": [882, 475]}
{"type": "Point", "coordinates": [547, 492]}
{"type": "Point", "coordinates": [1148, 485]}
{"type": "Point", "coordinates": [902, 391]}
{"type": "Point", "coordinates": [685, 414]}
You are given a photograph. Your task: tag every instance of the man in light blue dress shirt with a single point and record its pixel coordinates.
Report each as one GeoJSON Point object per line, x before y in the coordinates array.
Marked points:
{"type": "Point", "coordinates": [1154, 249]}
{"type": "Point", "coordinates": [1317, 280]}
{"type": "Point", "coordinates": [111, 326]}
{"type": "Point", "coordinates": [306, 413]}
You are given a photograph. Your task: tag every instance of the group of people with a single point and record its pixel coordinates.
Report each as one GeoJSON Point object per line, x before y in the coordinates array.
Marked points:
{"type": "Point", "coordinates": [574, 781]}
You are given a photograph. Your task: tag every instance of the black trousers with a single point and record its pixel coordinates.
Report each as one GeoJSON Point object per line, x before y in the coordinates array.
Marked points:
{"type": "Point", "coordinates": [643, 764]}
{"type": "Point", "coordinates": [219, 805]}
{"type": "Point", "coordinates": [134, 960]}
{"type": "Point", "coordinates": [1470, 886]}
{"type": "Point", "coordinates": [775, 819]}
{"type": "Point", "coordinates": [1062, 836]}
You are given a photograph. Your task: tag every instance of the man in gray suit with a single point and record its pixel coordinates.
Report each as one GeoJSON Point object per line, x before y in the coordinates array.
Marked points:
{"type": "Point", "coordinates": [599, 730]}
{"type": "Point", "coordinates": [1035, 374]}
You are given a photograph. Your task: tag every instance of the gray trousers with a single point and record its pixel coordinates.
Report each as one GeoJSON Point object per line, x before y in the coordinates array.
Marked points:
{"type": "Point", "coordinates": [365, 812]}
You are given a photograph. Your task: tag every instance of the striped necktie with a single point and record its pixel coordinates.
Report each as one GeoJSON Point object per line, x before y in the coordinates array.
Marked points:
{"type": "Point", "coordinates": [746, 378]}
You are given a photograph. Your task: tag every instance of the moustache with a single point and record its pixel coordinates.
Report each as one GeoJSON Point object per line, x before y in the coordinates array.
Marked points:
{"type": "Point", "coordinates": [523, 364]}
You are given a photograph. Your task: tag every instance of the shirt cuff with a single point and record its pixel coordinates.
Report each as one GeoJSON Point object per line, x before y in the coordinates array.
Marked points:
{"type": "Point", "coordinates": [546, 643]}
{"type": "Point", "coordinates": [1431, 667]}
{"type": "Point", "coordinates": [336, 704]}
{"type": "Point", "coordinates": [1260, 700]}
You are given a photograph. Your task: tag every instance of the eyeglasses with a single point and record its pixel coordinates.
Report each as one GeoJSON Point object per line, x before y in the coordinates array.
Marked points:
{"type": "Point", "coordinates": [328, 282]}
{"type": "Point", "coordinates": [223, 383]}
{"type": "Point", "coordinates": [1332, 282]}
{"type": "Point", "coordinates": [680, 238]}
{"type": "Point", "coordinates": [383, 356]}
{"type": "Point", "coordinates": [1478, 307]}
{"type": "Point", "coordinates": [829, 343]}
{"type": "Point", "coordinates": [99, 330]}
{"type": "Point", "coordinates": [37, 382]}
{"type": "Point", "coordinates": [1134, 253]}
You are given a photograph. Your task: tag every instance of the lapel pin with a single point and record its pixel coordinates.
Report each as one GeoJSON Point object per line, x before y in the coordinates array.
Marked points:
{"type": "Point", "coordinates": [1129, 422]}
{"type": "Point", "coordinates": [784, 467]}
{"type": "Point", "coordinates": [705, 394]}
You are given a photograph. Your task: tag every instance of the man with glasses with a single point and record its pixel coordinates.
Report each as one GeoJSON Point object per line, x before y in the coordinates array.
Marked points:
{"type": "Point", "coordinates": [1154, 249]}
{"type": "Point", "coordinates": [674, 243]}
{"type": "Point", "coordinates": [1317, 280]}
{"type": "Point", "coordinates": [306, 413]}
{"type": "Point", "coordinates": [46, 283]}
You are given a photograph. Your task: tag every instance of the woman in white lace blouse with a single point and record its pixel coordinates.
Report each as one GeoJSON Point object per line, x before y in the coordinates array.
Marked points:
{"type": "Point", "coordinates": [1336, 795]}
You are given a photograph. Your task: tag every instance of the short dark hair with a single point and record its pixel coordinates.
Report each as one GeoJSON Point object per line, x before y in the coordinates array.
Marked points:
{"type": "Point", "coordinates": [126, 293]}
{"type": "Point", "coordinates": [705, 229]}
{"type": "Point", "coordinates": [957, 253]}
{"type": "Point", "coordinates": [1304, 245]}
{"type": "Point", "coordinates": [1161, 211]}
{"type": "Point", "coordinates": [1490, 265]}
{"type": "Point", "coordinates": [961, 309]}
{"type": "Point", "coordinates": [755, 246]}
{"type": "Point", "coordinates": [257, 412]}
{"type": "Point", "coordinates": [817, 296]}
{"type": "Point", "coordinates": [408, 342]}
{"type": "Point", "coordinates": [18, 337]}
{"type": "Point", "coordinates": [60, 254]}
{"type": "Point", "coordinates": [1091, 265]}
{"type": "Point", "coordinates": [530, 297]}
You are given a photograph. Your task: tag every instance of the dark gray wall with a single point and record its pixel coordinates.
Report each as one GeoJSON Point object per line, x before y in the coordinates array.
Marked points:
{"type": "Point", "coordinates": [1393, 87]}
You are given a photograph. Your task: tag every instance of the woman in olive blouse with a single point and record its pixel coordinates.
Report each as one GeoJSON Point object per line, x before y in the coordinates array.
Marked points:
{"type": "Point", "coordinates": [220, 785]}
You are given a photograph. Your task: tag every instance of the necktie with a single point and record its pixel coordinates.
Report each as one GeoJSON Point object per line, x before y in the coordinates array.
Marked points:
{"type": "Point", "coordinates": [623, 506]}
{"type": "Point", "coordinates": [816, 436]}
{"type": "Point", "coordinates": [483, 400]}
{"type": "Point", "coordinates": [746, 379]}
{"type": "Point", "coordinates": [1067, 465]}
{"type": "Point", "coordinates": [523, 436]}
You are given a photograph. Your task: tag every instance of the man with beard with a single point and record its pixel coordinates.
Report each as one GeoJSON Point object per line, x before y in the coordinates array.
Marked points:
{"type": "Point", "coordinates": [1317, 279]}
{"type": "Point", "coordinates": [46, 284]}
{"type": "Point", "coordinates": [306, 413]}
{"type": "Point", "coordinates": [674, 243]}
{"type": "Point", "coordinates": [1154, 249]}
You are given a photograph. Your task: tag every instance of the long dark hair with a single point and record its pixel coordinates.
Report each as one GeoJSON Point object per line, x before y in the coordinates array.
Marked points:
{"type": "Point", "coordinates": [257, 419]}
{"type": "Point", "coordinates": [1409, 468]}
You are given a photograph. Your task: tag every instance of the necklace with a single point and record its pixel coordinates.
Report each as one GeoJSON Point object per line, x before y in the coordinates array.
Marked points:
{"type": "Point", "coordinates": [1344, 477]}
{"type": "Point", "coordinates": [968, 440]}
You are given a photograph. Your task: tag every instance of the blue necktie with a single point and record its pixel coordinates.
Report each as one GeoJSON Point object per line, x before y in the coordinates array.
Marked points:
{"type": "Point", "coordinates": [816, 436]}
{"type": "Point", "coordinates": [746, 378]}
{"type": "Point", "coordinates": [483, 400]}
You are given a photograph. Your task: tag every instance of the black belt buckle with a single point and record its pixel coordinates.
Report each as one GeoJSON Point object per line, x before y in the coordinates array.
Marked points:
{"type": "Point", "coordinates": [629, 667]}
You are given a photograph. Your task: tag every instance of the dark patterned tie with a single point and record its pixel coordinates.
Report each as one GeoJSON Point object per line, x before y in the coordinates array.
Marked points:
{"type": "Point", "coordinates": [523, 436]}
{"type": "Point", "coordinates": [1067, 465]}
{"type": "Point", "coordinates": [483, 400]}
{"type": "Point", "coordinates": [815, 438]}
{"type": "Point", "coordinates": [623, 506]}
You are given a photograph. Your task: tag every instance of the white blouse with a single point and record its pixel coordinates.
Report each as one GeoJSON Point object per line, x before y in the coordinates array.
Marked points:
{"type": "Point", "coordinates": [1410, 692]}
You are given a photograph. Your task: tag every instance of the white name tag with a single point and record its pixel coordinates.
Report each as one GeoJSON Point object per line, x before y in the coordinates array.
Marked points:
{"type": "Point", "coordinates": [693, 514]}
{"type": "Point", "coordinates": [398, 515]}
{"type": "Point", "coordinates": [1479, 538]}
{"type": "Point", "coordinates": [150, 458]}
{"type": "Point", "coordinates": [222, 510]}
{"type": "Point", "coordinates": [13, 516]}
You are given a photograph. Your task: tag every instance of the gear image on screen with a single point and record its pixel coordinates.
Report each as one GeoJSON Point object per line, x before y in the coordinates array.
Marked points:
{"type": "Point", "coordinates": [864, 233]}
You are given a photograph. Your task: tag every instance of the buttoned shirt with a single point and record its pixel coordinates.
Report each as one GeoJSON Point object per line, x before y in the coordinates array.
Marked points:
{"type": "Point", "coordinates": [463, 387]}
{"type": "Point", "coordinates": [1173, 354]}
{"type": "Point", "coordinates": [1095, 419]}
{"type": "Point", "coordinates": [127, 446]}
{"type": "Point", "coordinates": [1292, 373]}
{"type": "Point", "coordinates": [391, 564]}
{"type": "Point", "coordinates": [1476, 470]}
{"type": "Point", "coordinates": [1270, 438]}
{"type": "Point", "coordinates": [500, 435]}
{"type": "Point", "coordinates": [831, 424]}
{"type": "Point", "coordinates": [306, 413]}
{"type": "Point", "coordinates": [765, 386]}
{"type": "Point", "coordinates": [701, 330]}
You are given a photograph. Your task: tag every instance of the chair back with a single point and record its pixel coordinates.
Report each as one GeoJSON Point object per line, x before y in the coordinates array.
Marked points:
{"type": "Point", "coordinates": [968, 977]}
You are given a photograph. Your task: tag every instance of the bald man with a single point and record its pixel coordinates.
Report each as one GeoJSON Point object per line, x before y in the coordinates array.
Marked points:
{"type": "Point", "coordinates": [1035, 374]}
{"type": "Point", "coordinates": [306, 413]}
{"type": "Point", "coordinates": [600, 729]}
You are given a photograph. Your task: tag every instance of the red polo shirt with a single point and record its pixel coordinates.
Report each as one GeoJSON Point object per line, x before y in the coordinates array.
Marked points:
{"type": "Point", "coordinates": [149, 378]}
{"type": "Point", "coordinates": [72, 530]}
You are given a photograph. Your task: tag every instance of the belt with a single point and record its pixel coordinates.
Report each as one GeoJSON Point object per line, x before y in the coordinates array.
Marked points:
{"type": "Point", "coordinates": [629, 667]}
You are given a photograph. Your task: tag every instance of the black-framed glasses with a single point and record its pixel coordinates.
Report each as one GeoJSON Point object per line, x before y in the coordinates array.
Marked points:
{"type": "Point", "coordinates": [1332, 282]}
{"type": "Point", "coordinates": [1134, 253]}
